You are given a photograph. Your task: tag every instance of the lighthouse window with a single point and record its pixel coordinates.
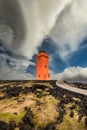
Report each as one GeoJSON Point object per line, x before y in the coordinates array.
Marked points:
{"type": "Point", "coordinates": [45, 66]}
{"type": "Point", "coordinates": [48, 75]}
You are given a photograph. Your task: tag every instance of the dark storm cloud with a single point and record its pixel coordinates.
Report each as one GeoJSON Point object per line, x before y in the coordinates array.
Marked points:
{"type": "Point", "coordinates": [13, 66]}
{"type": "Point", "coordinates": [11, 17]}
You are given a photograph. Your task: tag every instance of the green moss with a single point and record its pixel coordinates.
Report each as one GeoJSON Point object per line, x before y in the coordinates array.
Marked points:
{"type": "Point", "coordinates": [53, 102]}
{"type": "Point", "coordinates": [20, 116]}
{"type": "Point", "coordinates": [9, 116]}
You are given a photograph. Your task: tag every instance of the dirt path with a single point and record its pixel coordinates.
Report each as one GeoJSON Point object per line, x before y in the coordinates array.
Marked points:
{"type": "Point", "coordinates": [70, 88]}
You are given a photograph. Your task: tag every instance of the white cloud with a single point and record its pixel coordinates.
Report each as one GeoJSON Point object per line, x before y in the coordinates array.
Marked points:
{"type": "Point", "coordinates": [8, 74]}
{"type": "Point", "coordinates": [72, 74]}
{"type": "Point", "coordinates": [40, 17]}
{"type": "Point", "coordinates": [22, 31]}
{"type": "Point", "coordinates": [25, 23]}
{"type": "Point", "coordinates": [20, 63]}
{"type": "Point", "coordinates": [16, 70]}
{"type": "Point", "coordinates": [70, 28]}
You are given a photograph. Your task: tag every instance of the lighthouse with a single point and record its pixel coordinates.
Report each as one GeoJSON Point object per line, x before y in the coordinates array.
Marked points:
{"type": "Point", "coordinates": [42, 66]}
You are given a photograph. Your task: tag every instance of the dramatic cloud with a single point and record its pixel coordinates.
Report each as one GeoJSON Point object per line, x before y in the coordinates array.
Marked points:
{"type": "Point", "coordinates": [70, 28]}
{"type": "Point", "coordinates": [12, 25]}
{"type": "Point", "coordinates": [72, 74]}
{"type": "Point", "coordinates": [14, 68]}
{"type": "Point", "coordinates": [7, 74]}
{"type": "Point", "coordinates": [25, 23]}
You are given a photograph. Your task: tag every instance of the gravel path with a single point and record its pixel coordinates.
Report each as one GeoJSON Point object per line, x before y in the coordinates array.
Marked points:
{"type": "Point", "coordinates": [70, 88]}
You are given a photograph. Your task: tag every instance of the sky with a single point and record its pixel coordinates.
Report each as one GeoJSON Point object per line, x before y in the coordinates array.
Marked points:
{"type": "Point", "coordinates": [58, 27]}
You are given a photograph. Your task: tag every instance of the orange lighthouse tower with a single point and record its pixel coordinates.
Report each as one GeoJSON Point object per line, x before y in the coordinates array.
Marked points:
{"type": "Point", "coordinates": [42, 68]}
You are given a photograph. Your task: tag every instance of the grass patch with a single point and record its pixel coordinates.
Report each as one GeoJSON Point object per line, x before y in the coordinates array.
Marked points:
{"type": "Point", "coordinates": [71, 123]}
{"type": "Point", "coordinates": [45, 113]}
{"type": "Point", "coordinates": [9, 116]}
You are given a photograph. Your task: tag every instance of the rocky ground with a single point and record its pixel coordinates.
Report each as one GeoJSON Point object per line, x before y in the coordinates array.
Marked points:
{"type": "Point", "coordinates": [41, 105]}
{"type": "Point", "coordinates": [79, 85]}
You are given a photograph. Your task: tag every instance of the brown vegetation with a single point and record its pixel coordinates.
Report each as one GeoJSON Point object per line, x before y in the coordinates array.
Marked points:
{"type": "Point", "coordinates": [40, 105]}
